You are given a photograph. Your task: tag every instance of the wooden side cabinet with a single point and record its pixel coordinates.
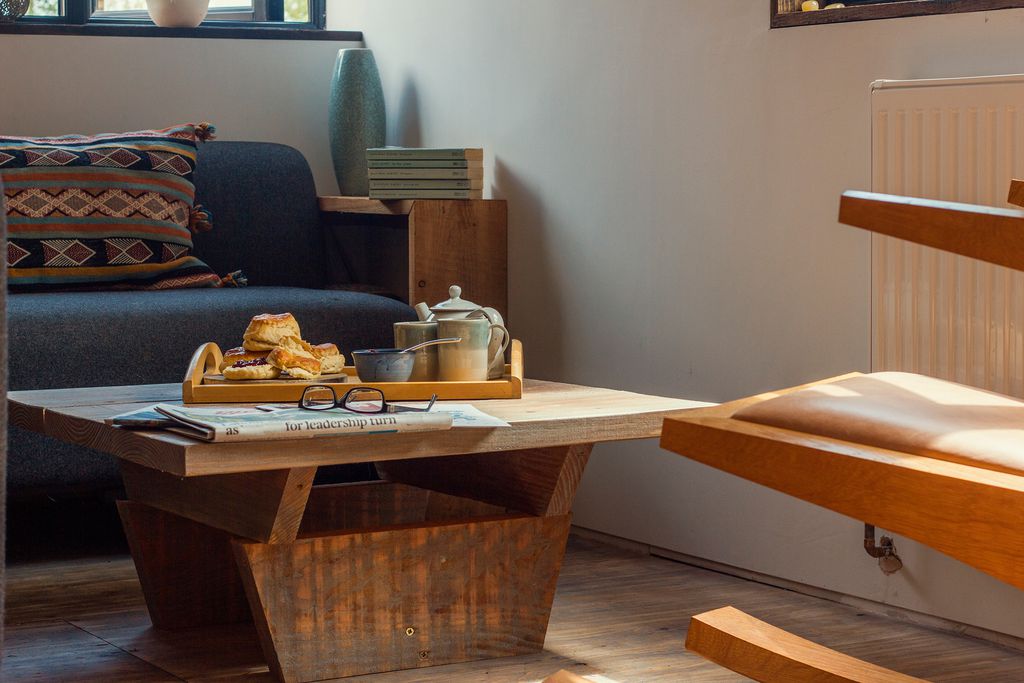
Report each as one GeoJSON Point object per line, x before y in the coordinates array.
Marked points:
{"type": "Point", "coordinates": [415, 249]}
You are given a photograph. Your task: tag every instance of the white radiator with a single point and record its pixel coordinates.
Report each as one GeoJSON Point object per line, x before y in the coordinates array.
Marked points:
{"type": "Point", "coordinates": [933, 313]}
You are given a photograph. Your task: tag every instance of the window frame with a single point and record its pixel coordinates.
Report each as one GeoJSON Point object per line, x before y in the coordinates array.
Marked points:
{"type": "Point", "coordinates": [77, 19]}
{"type": "Point", "coordinates": [880, 9]}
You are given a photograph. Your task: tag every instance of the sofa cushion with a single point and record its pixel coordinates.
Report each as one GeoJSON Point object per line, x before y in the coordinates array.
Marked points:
{"type": "Point", "coordinates": [104, 212]}
{"type": "Point", "coordinates": [111, 338]}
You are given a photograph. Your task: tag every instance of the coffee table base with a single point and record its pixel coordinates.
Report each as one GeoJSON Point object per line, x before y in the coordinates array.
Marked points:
{"type": "Point", "coordinates": [187, 569]}
{"type": "Point", "coordinates": [367, 602]}
{"type": "Point", "coordinates": [382, 576]}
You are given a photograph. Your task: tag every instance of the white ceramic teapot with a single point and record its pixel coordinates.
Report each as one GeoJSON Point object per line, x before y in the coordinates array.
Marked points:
{"type": "Point", "coordinates": [457, 307]}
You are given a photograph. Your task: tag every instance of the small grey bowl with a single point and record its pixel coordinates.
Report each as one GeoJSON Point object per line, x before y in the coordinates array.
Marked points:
{"type": "Point", "coordinates": [384, 365]}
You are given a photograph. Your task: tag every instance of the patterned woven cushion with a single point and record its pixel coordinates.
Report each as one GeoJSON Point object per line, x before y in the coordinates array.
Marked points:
{"type": "Point", "coordinates": [104, 212]}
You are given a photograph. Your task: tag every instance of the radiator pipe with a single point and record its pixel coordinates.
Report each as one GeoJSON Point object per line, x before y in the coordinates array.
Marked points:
{"type": "Point", "coordinates": [888, 561]}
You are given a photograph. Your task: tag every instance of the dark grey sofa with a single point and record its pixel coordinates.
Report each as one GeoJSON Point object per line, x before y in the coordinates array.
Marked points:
{"type": "Point", "coordinates": [266, 223]}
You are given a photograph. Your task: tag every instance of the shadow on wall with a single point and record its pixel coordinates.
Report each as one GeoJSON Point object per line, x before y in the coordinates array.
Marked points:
{"type": "Point", "coordinates": [533, 279]}
{"type": "Point", "coordinates": [536, 307]}
{"type": "Point", "coordinates": [406, 130]}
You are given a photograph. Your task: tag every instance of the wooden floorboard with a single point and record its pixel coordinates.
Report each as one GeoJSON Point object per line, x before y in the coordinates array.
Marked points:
{"type": "Point", "coordinates": [617, 617]}
{"type": "Point", "coordinates": [64, 590]}
{"type": "Point", "coordinates": [61, 652]}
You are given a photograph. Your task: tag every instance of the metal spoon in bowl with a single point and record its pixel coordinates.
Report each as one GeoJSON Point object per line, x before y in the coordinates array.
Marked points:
{"type": "Point", "coordinates": [391, 365]}
{"type": "Point", "coordinates": [431, 342]}
{"type": "Point", "coordinates": [414, 347]}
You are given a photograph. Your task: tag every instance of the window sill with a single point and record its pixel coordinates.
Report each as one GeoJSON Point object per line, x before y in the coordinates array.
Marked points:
{"type": "Point", "coordinates": [887, 11]}
{"type": "Point", "coordinates": [208, 30]}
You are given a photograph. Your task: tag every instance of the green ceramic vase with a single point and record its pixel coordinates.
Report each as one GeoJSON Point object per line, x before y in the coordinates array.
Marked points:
{"type": "Point", "coordinates": [356, 118]}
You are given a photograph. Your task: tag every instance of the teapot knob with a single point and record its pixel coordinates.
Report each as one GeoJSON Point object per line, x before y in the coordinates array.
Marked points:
{"type": "Point", "coordinates": [455, 291]}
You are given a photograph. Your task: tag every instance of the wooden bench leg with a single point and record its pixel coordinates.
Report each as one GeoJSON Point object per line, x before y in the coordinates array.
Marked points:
{"type": "Point", "coordinates": [419, 594]}
{"type": "Point", "coordinates": [763, 652]}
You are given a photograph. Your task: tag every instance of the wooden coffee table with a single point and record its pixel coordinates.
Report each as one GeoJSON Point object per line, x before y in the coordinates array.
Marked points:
{"type": "Point", "coordinates": [454, 556]}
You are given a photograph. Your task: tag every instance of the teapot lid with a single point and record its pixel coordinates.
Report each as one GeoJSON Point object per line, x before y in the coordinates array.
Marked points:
{"type": "Point", "coordinates": [455, 303]}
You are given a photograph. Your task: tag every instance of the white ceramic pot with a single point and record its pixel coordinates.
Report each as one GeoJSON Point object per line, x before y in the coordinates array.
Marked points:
{"type": "Point", "coordinates": [456, 308]}
{"type": "Point", "coordinates": [178, 13]}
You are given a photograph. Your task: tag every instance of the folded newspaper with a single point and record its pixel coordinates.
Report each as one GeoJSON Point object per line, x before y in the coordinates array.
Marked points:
{"type": "Point", "coordinates": [252, 424]}
{"type": "Point", "coordinates": [243, 423]}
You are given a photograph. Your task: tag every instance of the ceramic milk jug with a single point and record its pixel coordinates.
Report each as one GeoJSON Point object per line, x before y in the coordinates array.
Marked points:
{"type": "Point", "coordinates": [457, 307]}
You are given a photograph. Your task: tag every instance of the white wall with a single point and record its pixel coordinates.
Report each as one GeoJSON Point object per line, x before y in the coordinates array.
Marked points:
{"type": "Point", "coordinates": [673, 169]}
{"type": "Point", "coordinates": [269, 90]}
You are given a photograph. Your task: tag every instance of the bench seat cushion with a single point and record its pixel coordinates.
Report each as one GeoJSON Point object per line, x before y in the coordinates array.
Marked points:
{"type": "Point", "coordinates": [907, 413]}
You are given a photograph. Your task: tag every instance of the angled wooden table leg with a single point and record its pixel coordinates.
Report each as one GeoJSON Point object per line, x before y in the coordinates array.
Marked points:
{"type": "Point", "coordinates": [456, 584]}
{"type": "Point", "coordinates": [264, 506]}
{"type": "Point", "coordinates": [403, 597]}
{"type": "Point", "coordinates": [180, 530]}
{"type": "Point", "coordinates": [186, 569]}
{"type": "Point", "coordinates": [539, 481]}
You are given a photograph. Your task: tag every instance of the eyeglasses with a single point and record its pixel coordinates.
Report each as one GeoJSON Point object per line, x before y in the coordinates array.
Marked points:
{"type": "Point", "coordinates": [356, 400]}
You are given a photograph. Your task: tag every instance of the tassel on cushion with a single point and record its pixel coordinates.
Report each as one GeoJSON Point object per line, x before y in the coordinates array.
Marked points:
{"type": "Point", "coordinates": [205, 131]}
{"type": "Point", "coordinates": [200, 219]}
{"type": "Point", "coordinates": [235, 279]}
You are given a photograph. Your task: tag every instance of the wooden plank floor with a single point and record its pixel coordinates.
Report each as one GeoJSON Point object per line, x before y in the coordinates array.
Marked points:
{"type": "Point", "coordinates": [617, 617]}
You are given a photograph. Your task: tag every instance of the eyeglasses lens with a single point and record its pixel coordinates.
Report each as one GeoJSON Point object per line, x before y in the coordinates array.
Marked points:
{"type": "Point", "coordinates": [365, 401]}
{"type": "Point", "coordinates": [318, 398]}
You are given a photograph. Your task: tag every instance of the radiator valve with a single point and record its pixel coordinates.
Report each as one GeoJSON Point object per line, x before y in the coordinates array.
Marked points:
{"type": "Point", "coordinates": [888, 561]}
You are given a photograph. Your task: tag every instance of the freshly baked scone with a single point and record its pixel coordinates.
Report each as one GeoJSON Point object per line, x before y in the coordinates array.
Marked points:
{"type": "Point", "coordinates": [324, 350]}
{"type": "Point", "coordinates": [296, 363]}
{"type": "Point", "coordinates": [232, 356]}
{"type": "Point", "coordinates": [298, 345]}
{"type": "Point", "coordinates": [257, 368]}
{"type": "Point", "coordinates": [331, 360]}
{"type": "Point", "coordinates": [332, 365]}
{"type": "Point", "coordinates": [266, 330]}
{"type": "Point", "coordinates": [302, 373]}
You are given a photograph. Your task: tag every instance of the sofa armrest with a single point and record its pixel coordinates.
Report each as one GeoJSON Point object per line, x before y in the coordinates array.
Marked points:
{"type": "Point", "coordinates": [266, 221]}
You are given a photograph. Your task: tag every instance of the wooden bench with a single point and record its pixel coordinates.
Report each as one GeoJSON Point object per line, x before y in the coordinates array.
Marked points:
{"type": "Point", "coordinates": [971, 512]}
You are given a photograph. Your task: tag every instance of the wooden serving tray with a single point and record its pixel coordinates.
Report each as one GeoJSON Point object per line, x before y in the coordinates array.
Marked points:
{"type": "Point", "coordinates": [204, 384]}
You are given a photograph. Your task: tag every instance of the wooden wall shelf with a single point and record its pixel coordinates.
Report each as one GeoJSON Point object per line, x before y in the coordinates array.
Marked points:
{"type": "Point", "coordinates": [398, 207]}
{"type": "Point", "coordinates": [415, 249]}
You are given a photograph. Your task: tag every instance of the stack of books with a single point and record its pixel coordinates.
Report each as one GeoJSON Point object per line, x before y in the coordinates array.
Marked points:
{"type": "Point", "coordinates": [425, 173]}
